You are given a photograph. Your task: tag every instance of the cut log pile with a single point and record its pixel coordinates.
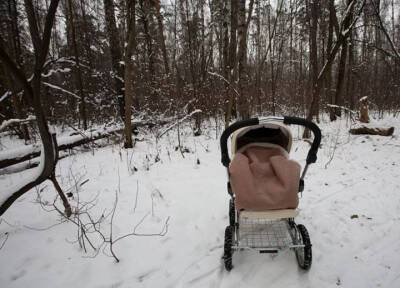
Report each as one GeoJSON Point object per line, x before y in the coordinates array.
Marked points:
{"type": "Point", "coordinates": [364, 118]}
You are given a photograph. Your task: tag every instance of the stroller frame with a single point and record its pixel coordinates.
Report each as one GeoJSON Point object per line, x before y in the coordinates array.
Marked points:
{"type": "Point", "coordinates": [270, 231]}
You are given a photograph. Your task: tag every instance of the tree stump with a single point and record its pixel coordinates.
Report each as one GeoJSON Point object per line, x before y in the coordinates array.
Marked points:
{"type": "Point", "coordinates": [364, 115]}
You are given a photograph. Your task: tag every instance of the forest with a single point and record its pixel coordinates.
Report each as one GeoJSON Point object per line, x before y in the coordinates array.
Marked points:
{"type": "Point", "coordinates": [110, 110]}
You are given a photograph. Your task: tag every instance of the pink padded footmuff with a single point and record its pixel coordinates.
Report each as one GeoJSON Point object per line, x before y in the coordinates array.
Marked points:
{"type": "Point", "coordinates": [264, 179]}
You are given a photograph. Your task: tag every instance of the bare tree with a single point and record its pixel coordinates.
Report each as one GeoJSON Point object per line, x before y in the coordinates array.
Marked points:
{"type": "Point", "coordinates": [32, 90]}
{"type": "Point", "coordinates": [343, 34]}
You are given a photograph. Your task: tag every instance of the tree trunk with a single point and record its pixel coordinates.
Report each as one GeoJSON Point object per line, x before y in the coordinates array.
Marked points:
{"type": "Point", "coordinates": [145, 17]}
{"type": "Point", "coordinates": [342, 64]}
{"type": "Point", "coordinates": [77, 67]}
{"type": "Point", "coordinates": [243, 103]}
{"type": "Point", "coordinates": [129, 71]}
{"type": "Point", "coordinates": [156, 4]}
{"type": "Point", "coordinates": [226, 63]}
{"type": "Point", "coordinates": [16, 53]}
{"type": "Point", "coordinates": [340, 79]}
{"type": "Point", "coordinates": [115, 51]}
{"type": "Point", "coordinates": [315, 89]}
{"type": "Point", "coordinates": [328, 82]}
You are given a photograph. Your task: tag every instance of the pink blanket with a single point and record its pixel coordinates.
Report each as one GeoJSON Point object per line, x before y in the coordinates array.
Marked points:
{"type": "Point", "coordinates": [264, 179]}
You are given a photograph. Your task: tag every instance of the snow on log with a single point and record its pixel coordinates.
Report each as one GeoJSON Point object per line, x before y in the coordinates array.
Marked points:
{"type": "Point", "coordinates": [10, 122]}
{"type": "Point", "coordinates": [24, 153]}
{"type": "Point", "coordinates": [21, 154]}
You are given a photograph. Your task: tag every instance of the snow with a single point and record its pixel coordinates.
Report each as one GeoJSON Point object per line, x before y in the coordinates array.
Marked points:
{"type": "Point", "coordinates": [351, 207]}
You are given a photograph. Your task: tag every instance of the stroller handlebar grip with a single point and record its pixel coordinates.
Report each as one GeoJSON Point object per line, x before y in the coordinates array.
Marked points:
{"type": "Point", "coordinates": [227, 132]}
{"type": "Point", "coordinates": [312, 154]}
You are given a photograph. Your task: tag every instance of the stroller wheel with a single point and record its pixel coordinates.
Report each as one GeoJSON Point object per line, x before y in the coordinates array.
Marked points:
{"type": "Point", "coordinates": [231, 212]}
{"type": "Point", "coordinates": [228, 248]}
{"type": "Point", "coordinates": [304, 254]}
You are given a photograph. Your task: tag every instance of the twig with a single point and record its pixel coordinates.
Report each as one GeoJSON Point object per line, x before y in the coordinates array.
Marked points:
{"type": "Point", "coordinates": [136, 198]}
{"type": "Point", "coordinates": [111, 228]}
{"type": "Point", "coordinates": [112, 218]}
{"type": "Point", "coordinates": [5, 240]}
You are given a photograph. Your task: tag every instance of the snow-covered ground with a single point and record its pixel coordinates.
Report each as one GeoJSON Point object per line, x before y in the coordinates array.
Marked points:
{"type": "Point", "coordinates": [351, 207]}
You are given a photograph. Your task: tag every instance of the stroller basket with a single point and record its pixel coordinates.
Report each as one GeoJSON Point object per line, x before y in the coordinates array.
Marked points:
{"type": "Point", "coordinates": [266, 231]}
{"type": "Point", "coordinates": [255, 225]}
{"type": "Point", "coordinates": [261, 234]}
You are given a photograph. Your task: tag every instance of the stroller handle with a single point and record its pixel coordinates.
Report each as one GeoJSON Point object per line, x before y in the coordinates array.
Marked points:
{"type": "Point", "coordinates": [312, 154]}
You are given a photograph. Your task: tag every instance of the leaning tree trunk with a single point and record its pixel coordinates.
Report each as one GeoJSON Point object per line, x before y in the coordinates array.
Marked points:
{"type": "Point", "coordinates": [32, 90]}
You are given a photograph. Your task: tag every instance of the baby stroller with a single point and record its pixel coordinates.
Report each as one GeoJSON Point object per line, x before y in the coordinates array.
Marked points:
{"type": "Point", "coordinates": [264, 184]}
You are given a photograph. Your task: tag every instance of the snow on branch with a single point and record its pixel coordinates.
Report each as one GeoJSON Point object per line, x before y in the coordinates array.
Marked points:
{"type": "Point", "coordinates": [53, 71]}
{"type": "Point", "coordinates": [343, 108]}
{"type": "Point", "coordinates": [10, 122]}
{"type": "Point", "coordinates": [61, 89]}
{"type": "Point", "coordinates": [178, 122]}
{"type": "Point", "coordinates": [5, 95]}
{"type": "Point", "coordinates": [225, 80]}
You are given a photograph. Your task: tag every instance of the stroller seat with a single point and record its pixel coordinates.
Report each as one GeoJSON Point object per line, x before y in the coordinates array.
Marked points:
{"type": "Point", "coordinates": [263, 178]}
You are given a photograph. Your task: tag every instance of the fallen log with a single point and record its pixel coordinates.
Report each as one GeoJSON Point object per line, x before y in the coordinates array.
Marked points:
{"type": "Point", "coordinates": [364, 130]}
{"type": "Point", "coordinates": [21, 154]}
{"type": "Point", "coordinates": [15, 156]}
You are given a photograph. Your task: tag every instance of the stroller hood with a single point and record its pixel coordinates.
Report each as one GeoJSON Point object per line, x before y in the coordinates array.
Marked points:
{"type": "Point", "coordinates": [273, 132]}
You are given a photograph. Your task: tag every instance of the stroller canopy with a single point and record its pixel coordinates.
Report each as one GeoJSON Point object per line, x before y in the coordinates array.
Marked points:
{"type": "Point", "coordinates": [273, 133]}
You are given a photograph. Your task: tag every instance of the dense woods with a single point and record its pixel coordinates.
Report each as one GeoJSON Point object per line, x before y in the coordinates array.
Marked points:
{"type": "Point", "coordinates": [238, 58]}
{"type": "Point", "coordinates": [80, 63]}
